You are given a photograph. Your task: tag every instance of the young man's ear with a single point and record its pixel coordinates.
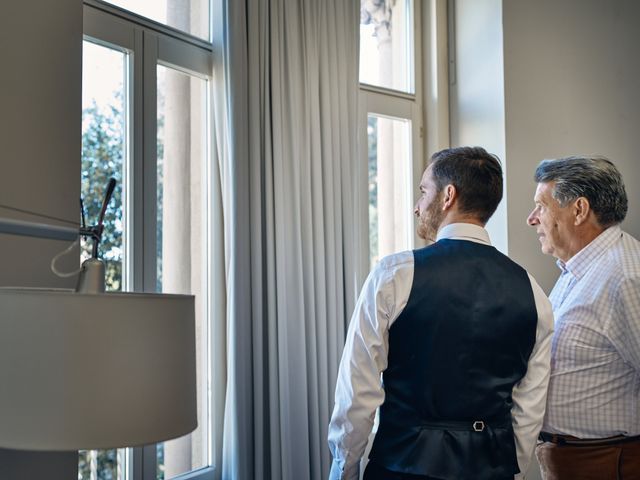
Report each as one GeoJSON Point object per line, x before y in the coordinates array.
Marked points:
{"type": "Point", "coordinates": [450, 194]}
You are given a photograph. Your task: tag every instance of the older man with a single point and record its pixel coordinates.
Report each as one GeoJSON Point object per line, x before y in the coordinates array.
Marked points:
{"type": "Point", "coordinates": [592, 425]}
{"type": "Point", "coordinates": [461, 336]}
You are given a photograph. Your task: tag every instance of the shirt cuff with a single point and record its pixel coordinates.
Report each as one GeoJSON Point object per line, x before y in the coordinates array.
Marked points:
{"type": "Point", "coordinates": [338, 473]}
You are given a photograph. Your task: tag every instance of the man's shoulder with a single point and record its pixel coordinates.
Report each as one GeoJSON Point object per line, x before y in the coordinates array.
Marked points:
{"type": "Point", "coordinates": [392, 271]}
{"type": "Point", "coordinates": [395, 261]}
{"type": "Point", "coordinates": [624, 257]}
{"type": "Point", "coordinates": [630, 247]}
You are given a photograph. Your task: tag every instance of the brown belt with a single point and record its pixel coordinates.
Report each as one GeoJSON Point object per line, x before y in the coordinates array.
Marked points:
{"type": "Point", "coordinates": [587, 442]}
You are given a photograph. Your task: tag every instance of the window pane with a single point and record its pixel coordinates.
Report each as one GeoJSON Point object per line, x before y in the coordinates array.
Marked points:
{"type": "Point", "coordinates": [390, 189]}
{"type": "Point", "coordinates": [189, 16]}
{"type": "Point", "coordinates": [103, 157]}
{"type": "Point", "coordinates": [386, 44]}
{"type": "Point", "coordinates": [182, 239]}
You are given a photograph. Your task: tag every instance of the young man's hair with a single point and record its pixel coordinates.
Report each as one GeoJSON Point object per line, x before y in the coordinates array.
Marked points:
{"type": "Point", "coordinates": [477, 176]}
{"type": "Point", "coordinates": [593, 177]}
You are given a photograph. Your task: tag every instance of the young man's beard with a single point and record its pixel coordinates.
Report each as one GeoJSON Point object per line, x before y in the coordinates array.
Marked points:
{"type": "Point", "coordinates": [430, 220]}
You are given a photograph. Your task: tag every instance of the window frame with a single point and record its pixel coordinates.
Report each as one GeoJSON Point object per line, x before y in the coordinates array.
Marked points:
{"type": "Point", "coordinates": [394, 104]}
{"type": "Point", "coordinates": [150, 44]}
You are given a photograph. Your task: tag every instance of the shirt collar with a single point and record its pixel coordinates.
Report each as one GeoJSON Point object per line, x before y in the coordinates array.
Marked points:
{"type": "Point", "coordinates": [581, 261]}
{"type": "Point", "coordinates": [464, 231]}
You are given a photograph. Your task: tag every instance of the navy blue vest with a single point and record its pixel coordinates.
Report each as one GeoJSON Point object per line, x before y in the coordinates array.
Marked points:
{"type": "Point", "coordinates": [455, 352]}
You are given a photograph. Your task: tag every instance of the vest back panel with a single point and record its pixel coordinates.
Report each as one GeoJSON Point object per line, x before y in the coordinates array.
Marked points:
{"type": "Point", "coordinates": [455, 353]}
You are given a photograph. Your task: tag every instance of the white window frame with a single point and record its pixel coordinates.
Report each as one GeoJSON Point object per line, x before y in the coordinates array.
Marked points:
{"type": "Point", "coordinates": [394, 104]}
{"type": "Point", "coordinates": [149, 44]}
{"type": "Point", "coordinates": [427, 108]}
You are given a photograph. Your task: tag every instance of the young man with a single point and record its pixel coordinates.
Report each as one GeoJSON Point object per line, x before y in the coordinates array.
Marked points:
{"type": "Point", "coordinates": [592, 426]}
{"type": "Point", "coordinates": [461, 336]}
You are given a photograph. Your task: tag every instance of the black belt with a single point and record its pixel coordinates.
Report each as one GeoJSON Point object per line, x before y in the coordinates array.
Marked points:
{"type": "Point", "coordinates": [586, 442]}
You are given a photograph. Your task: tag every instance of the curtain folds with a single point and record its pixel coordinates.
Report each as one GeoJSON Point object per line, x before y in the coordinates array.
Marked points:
{"type": "Point", "coordinates": [285, 107]}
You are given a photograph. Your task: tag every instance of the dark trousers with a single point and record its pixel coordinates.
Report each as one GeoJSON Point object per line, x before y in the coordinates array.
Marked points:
{"type": "Point", "coordinates": [375, 471]}
{"type": "Point", "coordinates": [589, 462]}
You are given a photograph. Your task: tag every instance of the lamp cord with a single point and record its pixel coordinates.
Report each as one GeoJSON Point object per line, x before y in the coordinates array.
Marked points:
{"type": "Point", "coordinates": [55, 259]}
{"type": "Point", "coordinates": [8, 207]}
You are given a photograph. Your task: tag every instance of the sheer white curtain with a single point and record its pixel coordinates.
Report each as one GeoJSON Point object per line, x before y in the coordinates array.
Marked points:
{"type": "Point", "coordinates": [286, 128]}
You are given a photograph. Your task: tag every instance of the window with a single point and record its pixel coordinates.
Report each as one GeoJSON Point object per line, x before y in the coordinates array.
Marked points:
{"type": "Point", "coordinates": [181, 243]}
{"type": "Point", "coordinates": [386, 44]}
{"type": "Point", "coordinates": [390, 119]}
{"type": "Point", "coordinates": [190, 17]}
{"type": "Point", "coordinates": [146, 122]}
{"type": "Point", "coordinates": [390, 195]}
{"type": "Point", "coordinates": [104, 126]}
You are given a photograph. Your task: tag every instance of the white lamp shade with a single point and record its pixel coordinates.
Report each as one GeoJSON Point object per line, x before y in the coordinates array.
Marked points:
{"type": "Point", "coordinates": [94, 371]}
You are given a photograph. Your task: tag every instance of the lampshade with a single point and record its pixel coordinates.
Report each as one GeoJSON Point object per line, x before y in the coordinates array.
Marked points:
{"type": "Point", "coordinates": [95, 371]}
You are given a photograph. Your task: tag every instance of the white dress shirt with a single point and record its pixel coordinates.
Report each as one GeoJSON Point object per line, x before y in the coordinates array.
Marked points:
{"type": "Point", "coordinates": [594, 391]}
{"type": "Point", "coordinates": [359, 390]}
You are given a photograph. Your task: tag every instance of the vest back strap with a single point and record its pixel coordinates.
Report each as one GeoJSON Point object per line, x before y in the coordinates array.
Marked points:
{"type": "Point", "coordinates": [467, 425]}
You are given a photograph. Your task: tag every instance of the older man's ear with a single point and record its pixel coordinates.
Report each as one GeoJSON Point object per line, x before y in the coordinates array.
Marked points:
{"type": "Point", "coordinates": [581, 210]}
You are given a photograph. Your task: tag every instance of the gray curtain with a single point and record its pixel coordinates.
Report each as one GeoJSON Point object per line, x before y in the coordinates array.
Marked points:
{"type": "Point", "coordinates": [285, 107]}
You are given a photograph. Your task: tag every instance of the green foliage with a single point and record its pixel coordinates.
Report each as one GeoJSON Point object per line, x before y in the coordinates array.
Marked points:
{"type": "Point", "coordinates": [106, 463]}
{"type": "Point", "coordinates": [102, 158]}
{"type": "Point", "coordinates": [372, 149]}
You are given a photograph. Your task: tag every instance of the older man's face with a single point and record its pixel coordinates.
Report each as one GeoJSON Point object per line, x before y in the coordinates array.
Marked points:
{"type": "Point", "coordinates": [554, 224]}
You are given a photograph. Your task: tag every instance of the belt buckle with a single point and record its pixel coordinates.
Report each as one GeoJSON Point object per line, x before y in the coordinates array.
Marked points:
{"type": "Point", "coordinates": [478, 426]}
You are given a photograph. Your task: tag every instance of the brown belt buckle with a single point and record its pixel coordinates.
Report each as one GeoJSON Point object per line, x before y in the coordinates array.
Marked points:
{"type": "Point", "coordinates": [478, 426]}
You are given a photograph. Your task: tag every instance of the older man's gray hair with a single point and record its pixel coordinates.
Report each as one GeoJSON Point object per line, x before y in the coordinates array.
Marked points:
{"type": "Point", "coordinates": [594, 177]}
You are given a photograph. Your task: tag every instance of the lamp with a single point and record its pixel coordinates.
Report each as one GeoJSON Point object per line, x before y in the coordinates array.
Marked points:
{"type": "Point", "coordinates": [91, 370]}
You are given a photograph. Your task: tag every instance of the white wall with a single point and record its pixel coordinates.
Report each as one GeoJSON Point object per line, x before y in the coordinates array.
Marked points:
{"type": "Point", "coordinates": [545, 79]}
{"type": "Point", "coordinates": [571, 72]}
{"type": "Point", "coordinates": [40, 99]}
{"type": "Point", "coordinates": [477, 91]}
{"type": "Point", "coordinates": [40, 88]}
